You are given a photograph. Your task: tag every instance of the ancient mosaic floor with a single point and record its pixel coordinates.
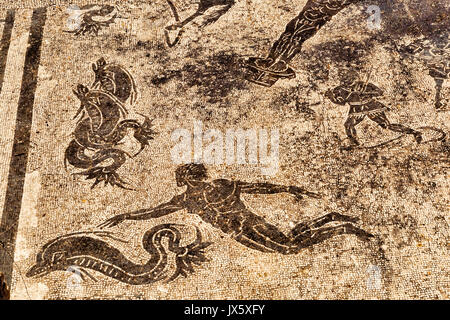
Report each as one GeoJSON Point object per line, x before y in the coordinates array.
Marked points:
{"type": "Point", "coordinates": [224, 149]}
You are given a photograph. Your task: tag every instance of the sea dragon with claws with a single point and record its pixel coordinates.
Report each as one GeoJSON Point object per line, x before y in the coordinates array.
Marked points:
{"type": "Point", "coordinates": [92, 18]}
{"type": "Point", "coordinates": [87, 252]}
{"type": "Point", "coordinates": [103, 125]}
{"type": "Point", "coordinates": [114, 79]}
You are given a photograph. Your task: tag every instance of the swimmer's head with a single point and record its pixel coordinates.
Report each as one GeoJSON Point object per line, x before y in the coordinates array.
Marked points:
{"type": "Point", "coordinates": [190, 172]}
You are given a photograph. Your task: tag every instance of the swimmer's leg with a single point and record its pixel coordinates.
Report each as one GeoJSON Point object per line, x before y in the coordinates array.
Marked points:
{"type": "Point", "coordinates": [382, 121]}
{"type": "Point", "coordinates": [350, 128]}
{"type": "Point", "coordinates": [268, 238]}
{"type": "Point", "coordinates": [322, 234]}
{"type": "Point", "coordinates": [264, 237]}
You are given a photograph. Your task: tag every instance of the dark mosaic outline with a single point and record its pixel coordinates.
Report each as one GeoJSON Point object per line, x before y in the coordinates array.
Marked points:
{"type": "Point", "coordinates": [21, 144]}
{"type": "Point", "coordinates": [5, 43]}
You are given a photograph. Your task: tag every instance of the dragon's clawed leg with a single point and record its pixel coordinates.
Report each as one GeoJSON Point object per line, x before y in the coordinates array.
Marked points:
{"type": "Point", "coordinates": [106, 173]}
{"type": "Point", "coordinates": [192, 254]}
{"type": "Point", "coordinates": [100, 174]}
{"type": "Point", "coordinates": [144, 133]}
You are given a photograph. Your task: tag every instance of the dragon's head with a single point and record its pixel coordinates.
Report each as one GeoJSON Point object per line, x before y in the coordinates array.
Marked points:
{"type": "Point", "coordinates": [81, 92]}
{"type": "Point", "coordinates": [104, 78]}
{"type": "Point", "coordinates": [51, 257]}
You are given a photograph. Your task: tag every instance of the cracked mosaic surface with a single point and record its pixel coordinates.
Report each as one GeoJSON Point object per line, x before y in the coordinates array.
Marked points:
{"type": "Point", "coordinates": [93, 205]}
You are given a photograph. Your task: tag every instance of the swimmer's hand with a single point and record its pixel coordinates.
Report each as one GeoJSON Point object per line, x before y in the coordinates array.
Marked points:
{"type": "Point", "coordinates": [299, 192]}
{"type": "Point", "coordinates": [114, 221]}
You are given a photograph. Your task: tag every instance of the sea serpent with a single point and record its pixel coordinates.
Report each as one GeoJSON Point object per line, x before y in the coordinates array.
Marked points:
{"type": "Point", "coordinates": [79, 250]}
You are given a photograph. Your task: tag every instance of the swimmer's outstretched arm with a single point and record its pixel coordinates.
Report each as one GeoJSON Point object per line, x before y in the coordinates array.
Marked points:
{"type": "Point", "coordinates": [176, 204]}
{"type": "Point", "coordinates": [268, 188]}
